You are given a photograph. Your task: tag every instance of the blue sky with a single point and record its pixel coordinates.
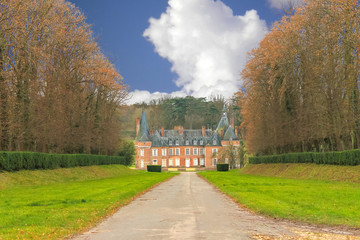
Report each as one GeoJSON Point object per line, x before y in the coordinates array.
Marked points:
{"type": "Point", "coordinates": [119, 27]}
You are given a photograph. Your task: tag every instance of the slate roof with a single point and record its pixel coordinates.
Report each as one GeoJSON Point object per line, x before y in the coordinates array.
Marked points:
{"type": "Point", "coordinates": [144, 133]}
{"type": "Point", "coordinates": [186, 137]}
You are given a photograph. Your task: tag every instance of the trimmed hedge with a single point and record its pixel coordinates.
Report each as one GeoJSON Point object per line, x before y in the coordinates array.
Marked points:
{"type": "Point", "coordinates": [223, 167]}
{"type": "Point", "coordinates": [350, 158]}
{"type": "Point", "coordinates": [154, 168]}
{"type": "Point", "coordinates": [14, 161]}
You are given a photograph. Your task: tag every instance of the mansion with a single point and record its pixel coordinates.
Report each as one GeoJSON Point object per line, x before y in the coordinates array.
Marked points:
{"type": "Point", "coordinates": [181, 147]}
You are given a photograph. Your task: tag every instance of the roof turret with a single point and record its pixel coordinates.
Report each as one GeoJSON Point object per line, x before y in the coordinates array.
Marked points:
{"type": "Point", "coordinates": [144, 128]}
{"type": "Point", "coordinates": [224, 122]}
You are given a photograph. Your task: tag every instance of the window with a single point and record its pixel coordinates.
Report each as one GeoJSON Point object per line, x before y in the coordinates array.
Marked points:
{"type": "Point", "coordinates": [170, 142]}
{"type": "Point", "coordinates": [214, 142]}
{"type": "Point", "coordinates": [226, 160]}
{"type": "Point", "coordinates": [177, 162]}
{"type": "Point", "coordinates": [164, 162]}
{"type": "Point", "coordinates": [214, 150]}
{"type": "Point", "coordinates": [163, 152]}
{"type": "Point", "coordinates": [195, 142]}
{"type": "Point", "coordinates": [142, 163]}
{"type": "Point", "coordinates": [201, 142]}
{"type": "Point", "coordinates": [195, 151]}
{"type": "Point", "coordinates": [177, 142]}
{"type": "Point", "coordinates": [214, 161]}
{"type": "Point", "coordinates": [171, 162]}
{"type": "Point", "coordinates": [202, 161]}
{"type": "Point", "coordinates": [155, 161]}
{"type": "Point", "coordinates": [177, 151]}
{"type": "Point", "coordinates": [142, 152]}
{"type": "Point", "coordinates": [187, 151]}
{"type": "Point", "coordinates": [195, 162]}
{"type": "Point", "coordinates": [154, 152]}
{"type": "Point", "coordinates": [201, 151]}
{"type": "Point", "coordinates": [170, 152]}
{"type": "Point", "coordinates": [187, 142]}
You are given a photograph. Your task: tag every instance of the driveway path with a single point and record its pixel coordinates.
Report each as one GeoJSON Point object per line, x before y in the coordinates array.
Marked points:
{"type": "Point", "coordinates": [187, 207]}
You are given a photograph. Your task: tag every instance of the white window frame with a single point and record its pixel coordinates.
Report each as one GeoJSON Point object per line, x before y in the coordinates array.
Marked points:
{"type": "Point", "coordinates": [186, 142]}
{"type": "Point", "coordinates": [142, 163]}
{"type": "Point", "coordinates": [170, 142]}
{"type": "Point", "coordinates": [201, 152]}
{"type": "Point", "coordinates": [226, 160]}
{"type": "Point", "coordinates": [154, 152]}
{"type": "Point", "coordinates": [163, 162]}
{"type": "Point", "coordinates": [163, 152]}
{"type": "Point", "coordinates": [177, 162]}
{"type": "Point", "coordinates": [214, 142]}
{"type": "Point", "coordinates": [214, 161]}
{"type": "Point", "coordinates": [201, 142]}
{"type": "Point", "coordinates": [187, 162]}
{"type": "Point", "coordinates": [214, 150]}
{"type": "Point", "coordinates": [177, 142]}
{"type": "Point", "coordinates": [171, 152]}
{"type": "Point", "coordinates": [202, 161]}
{"type": "Point", "coordinates": [195, 151]}
{"type": "Point", "coordinates": [155, 161]}
{"type": "Point", "coordinates": [177, 151]}
{"type": "Point", "coordinates": [195, 162]}
{"type": "Point", "coordinates": [195, 142]}
{"type": "Point", "coordinates": [142, 151]}
{"type": "Point", "coordinates": [187, 151]}
{"type": "Point", "coordinates": [171, 162]}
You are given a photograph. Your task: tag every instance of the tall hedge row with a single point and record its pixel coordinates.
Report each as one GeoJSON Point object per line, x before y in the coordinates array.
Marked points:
{"type": "Point", "coordinates": [14, 161]}
{"type": "Point", "coordinates": [351, 157]}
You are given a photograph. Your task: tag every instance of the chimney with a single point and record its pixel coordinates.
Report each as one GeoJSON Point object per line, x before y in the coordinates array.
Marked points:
{"type": "Point", "coordinates": [222, 133]}
{"type": "Point", "coordinates": [236, 132]}
{"type": "Point", "coordinates": [203, 131]}
{"type": "Point", "coordinates": [137, 126]}
{"type": "Point", "coordinates": [162, 132]}
{"type": "Point", "coordinates": [181, 129]}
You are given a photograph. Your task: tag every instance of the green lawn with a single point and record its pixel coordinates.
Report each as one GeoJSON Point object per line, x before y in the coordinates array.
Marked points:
{"type": "Point", "coordinates": [53, 204]}
{"type": "Point", "coordinates": [312, 201]}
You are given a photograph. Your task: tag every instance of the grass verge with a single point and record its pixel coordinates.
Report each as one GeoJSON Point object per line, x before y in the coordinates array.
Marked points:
{"type": "Point", "coordinates": [311, 201]}
{"type": "Point", "coordinates": [306, 171]}
{"type": "Point", "coordinates": [54, 204]}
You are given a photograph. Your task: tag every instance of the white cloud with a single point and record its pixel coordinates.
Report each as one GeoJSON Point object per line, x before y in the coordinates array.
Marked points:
{"type": "Point", "coordinates": [280, 4]}
{"type": "Point", "coordinates": [206, 44]}
{"type": "Point", "coordinates": [139, 96]}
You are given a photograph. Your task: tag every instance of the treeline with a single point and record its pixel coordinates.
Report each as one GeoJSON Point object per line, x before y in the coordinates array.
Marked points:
{"type": "Point", "coordinates": [189, 112]}
{"type": "Point", "coordinates": [58, 92]}
{"type": "Point", "coordinates": [302, 83]}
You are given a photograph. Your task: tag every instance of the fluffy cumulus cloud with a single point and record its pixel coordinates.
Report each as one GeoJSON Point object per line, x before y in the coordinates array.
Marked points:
{"type": "Point", "coordinates": [139, 96]}
{"type": "Point", "coordinates": [206, 44]}
{"type": "Point", "coordinates": [280, 4]}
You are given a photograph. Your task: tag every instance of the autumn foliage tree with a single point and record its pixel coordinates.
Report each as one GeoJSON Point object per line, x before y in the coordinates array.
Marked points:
{"type": "Point", "coordinates": [58, 92]}
{"type": "Point", "coordinates": [301, 89]}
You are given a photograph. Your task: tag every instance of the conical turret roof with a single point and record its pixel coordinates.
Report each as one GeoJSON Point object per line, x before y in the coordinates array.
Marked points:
{"type": "Point", "coordinates": [224, 122]}
{"type": "Point", "coordinates": [143, 134]}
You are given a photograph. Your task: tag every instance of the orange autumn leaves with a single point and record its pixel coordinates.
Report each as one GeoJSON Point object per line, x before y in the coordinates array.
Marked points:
{"type": "Point", "coordinates": [301, 85]}
{"type": "Point", "coordinates": [58, 92]}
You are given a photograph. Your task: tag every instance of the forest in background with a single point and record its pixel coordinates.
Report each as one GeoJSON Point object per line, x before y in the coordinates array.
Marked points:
{"type": "Point", "coordinates": [301, 90]}
{"type": "Point", "coordinates": [189, 112]}
{"type": "Point", "coordinates": [58, 92]}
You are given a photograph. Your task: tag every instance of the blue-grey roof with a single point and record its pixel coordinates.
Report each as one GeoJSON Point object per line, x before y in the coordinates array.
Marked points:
{"type": "Point", "coordinates": [143, 134]}
{"type": "Point", "coordinates": [224, 123]}
{"type": "Point", "coordinates": [229, 134]}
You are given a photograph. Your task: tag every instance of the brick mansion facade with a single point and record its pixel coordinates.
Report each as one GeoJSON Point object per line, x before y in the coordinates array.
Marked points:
{"type": "Point", "coordinates": [181, 147]}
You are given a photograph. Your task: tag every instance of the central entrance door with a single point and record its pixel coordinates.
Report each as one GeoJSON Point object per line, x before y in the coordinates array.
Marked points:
{"type": "Point", "coordinates": [187, 162]}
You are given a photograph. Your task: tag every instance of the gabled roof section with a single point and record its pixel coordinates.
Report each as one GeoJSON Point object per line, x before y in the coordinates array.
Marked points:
{"type": "Point", "coordinates": [230, 135]}
{"type": "Point", "coordinates": [224, 122]}
{"type": "Point", "coordinates": [144, 128]}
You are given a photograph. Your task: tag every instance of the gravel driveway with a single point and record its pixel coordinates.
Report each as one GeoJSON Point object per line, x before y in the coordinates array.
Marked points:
{"type": "Point", "coordinates": [188, 207]}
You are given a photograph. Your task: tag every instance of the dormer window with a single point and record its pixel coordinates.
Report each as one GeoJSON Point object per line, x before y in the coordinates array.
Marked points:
{"type": "Point", "coordinates": [187, 142]}
{"type": "Point", "coordinates": [201, 142]}
{"type": "Point", "coordinates": [195, 142]}
{"type": "Point", "coordinates": [177, 142]}
{"type": "Point", "coordinates": [170, 142]}
{"type": "Point", "coordinates": [214, 142]}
